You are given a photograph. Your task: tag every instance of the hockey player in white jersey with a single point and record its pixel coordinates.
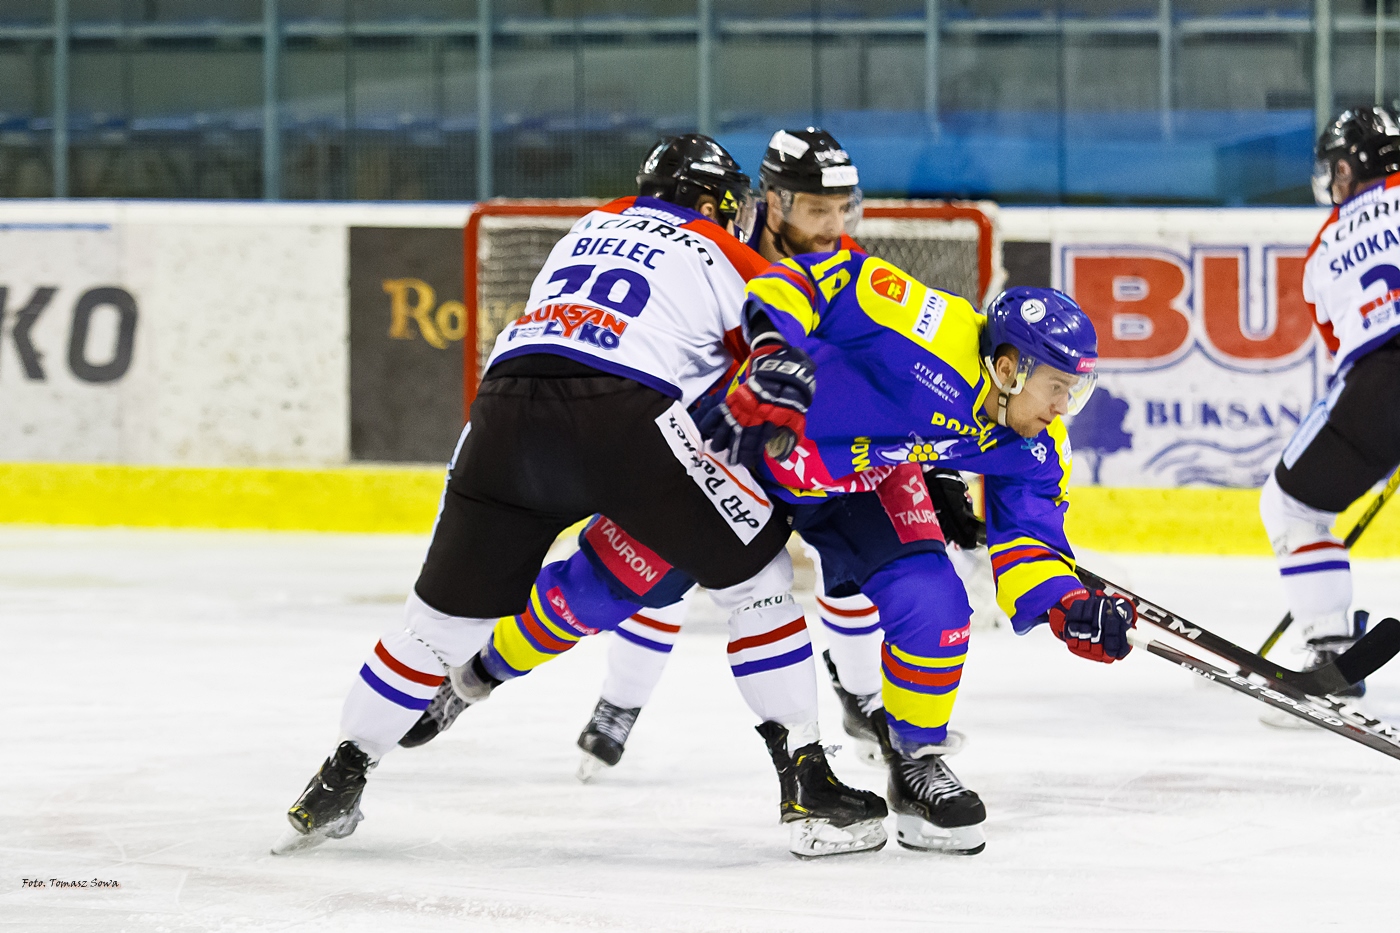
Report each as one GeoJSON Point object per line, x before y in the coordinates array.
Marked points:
{"type": "Point", "coordinates": [583, 411]}
{"type": "Point", "coordinates": [1351, 438]}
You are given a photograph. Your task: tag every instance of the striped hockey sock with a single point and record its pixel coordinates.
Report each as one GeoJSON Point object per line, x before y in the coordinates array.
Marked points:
{"type": "Point", "coordinates": [770, 655]}
{"type": "Point", "coordinates": [638, 654]}
{"type": "Point", "coordinates": [854, 635]}
{"type": "Point", "coordinates": [394, 686]}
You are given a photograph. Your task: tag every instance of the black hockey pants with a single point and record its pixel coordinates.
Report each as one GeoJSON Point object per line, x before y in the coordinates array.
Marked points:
{"type": "Point", "coordinates": [1330, 465]}
{"type": "Point", "coordinates": [553, 441]}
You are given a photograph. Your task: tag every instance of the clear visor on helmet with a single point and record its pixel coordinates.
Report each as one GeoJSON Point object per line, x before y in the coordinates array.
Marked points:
{"type": "Point", "coordinates": [816, 222]}
{"type": "Point", "coordinates": [1322, 182]}
{"type": "Point", "coordinates": [1066, 393]}
{"type": "Point", "coordinates": [741, 209]}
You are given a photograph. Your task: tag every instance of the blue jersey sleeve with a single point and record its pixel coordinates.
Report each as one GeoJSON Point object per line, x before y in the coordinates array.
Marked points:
{"type": "Point", "coordinates": [1032, 561]}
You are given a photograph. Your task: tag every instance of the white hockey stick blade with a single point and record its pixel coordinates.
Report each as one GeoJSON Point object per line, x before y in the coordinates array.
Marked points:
{"type": "Point", "coordinates": [811, 839]}
{"type": "Point", "coordinates": [923, 836]}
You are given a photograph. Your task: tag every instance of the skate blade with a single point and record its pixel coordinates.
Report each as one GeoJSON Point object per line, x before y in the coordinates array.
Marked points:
{"type": "Point", "coordinates": [293, 840]}
{"type": "Point", "coordinates": [812, 839]}
{"type": "Point", "coordinates": [590, 767]}
{"type": "Point", "coordinates": [923, 836]}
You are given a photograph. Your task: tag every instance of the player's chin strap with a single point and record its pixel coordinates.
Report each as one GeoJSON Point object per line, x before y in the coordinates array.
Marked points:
{"type": "Point", "coordinates": [1003, 396]}
{"type": "Point", "coordinates": [779, 241]}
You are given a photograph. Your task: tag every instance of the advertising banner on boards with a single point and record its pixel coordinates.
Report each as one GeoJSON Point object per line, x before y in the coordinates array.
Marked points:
{"type": "Point", "coordinates": [1208, 354]}
{"type": "Point", "coordinates": [407, 323]}
{"type": "Point", "coordinates": [170, 334]}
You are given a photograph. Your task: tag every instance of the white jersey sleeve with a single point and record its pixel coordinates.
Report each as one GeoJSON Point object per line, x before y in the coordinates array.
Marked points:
{"type": "Point", "coordinates": [641, 289]}
{"type": "Point", "coordinates": [1352, 274]}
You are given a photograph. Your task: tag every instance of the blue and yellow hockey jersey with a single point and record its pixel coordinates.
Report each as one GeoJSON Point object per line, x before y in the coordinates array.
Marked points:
{"type": "Point", "coordinates": [900, 379]}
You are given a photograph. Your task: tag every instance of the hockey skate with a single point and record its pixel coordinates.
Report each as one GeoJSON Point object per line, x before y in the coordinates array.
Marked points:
{"type": "Point", "coordinates": [604, 739]}
{"type": "Point", "coordinates": [856, 717]}
{"type": "Point", "coordinates": [441, 713]}
{"type": "Point", "coordinates": [329, 808]}
{"type": "Point", "coordinates": [1322, 651]}
{"type": "Point", "coordinates": [934, 812]}
{"type": "Point", "coordinates": [465, 685]}
{"type": "Point", "coordinates": [827, 817]}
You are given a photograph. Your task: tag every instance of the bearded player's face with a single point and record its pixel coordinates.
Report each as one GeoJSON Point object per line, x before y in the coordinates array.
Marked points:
{"type": "Point", "coordinates": [815, 222]}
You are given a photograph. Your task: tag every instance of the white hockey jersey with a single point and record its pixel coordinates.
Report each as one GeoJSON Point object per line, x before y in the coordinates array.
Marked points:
{"type": "Point", "coordinates": [1352, 274]}
{"type": "Point", "coordinates": [643, 289]}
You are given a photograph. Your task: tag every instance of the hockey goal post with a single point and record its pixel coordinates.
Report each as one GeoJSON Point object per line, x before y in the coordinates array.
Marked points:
{"type": "Point", "coordinates": [954, 245]}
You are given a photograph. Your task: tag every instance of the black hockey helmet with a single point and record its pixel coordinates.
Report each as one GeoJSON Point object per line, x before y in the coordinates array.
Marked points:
{"type": "Point", "coordinates": [1368, 139]}
{"type": "Point", "coordinates": [682, 169]}
{"type": "Point", "coordinates": [809, 161]}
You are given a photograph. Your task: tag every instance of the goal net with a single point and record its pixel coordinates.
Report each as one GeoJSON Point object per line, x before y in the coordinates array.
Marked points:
{"type": "Point", "coordinates": [954, 246]}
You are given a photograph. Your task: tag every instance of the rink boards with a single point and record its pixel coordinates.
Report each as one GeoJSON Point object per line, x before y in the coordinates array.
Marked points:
{"type": "Point", "coordinates": [242, 365]}
{"type": "Point", "coordinates": [403, 499]}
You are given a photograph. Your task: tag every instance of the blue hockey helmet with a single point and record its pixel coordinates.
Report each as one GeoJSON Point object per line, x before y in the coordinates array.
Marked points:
{"type": "Point", "coordinates": [1048, 328]}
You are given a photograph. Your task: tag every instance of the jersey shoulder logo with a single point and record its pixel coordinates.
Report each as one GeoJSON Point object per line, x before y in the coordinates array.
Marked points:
{"type": "Point", "coordinates": [888, 283]}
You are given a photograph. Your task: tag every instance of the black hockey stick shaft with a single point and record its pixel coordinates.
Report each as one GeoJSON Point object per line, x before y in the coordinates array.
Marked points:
{"type": "Point", "coordinates": [1352, 537]}
{"type": "Point", "coordinates": [1325, 715]}
{"type": "Point", "coordinates": [1370, 652]}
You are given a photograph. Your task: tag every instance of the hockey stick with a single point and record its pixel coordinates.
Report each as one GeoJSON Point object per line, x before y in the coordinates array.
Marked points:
{"type": "Point", "coordinates": [1370, 652]}
{"type": "Point", "coordinates": [1352, 537]}
{"type": "Point", "coordinates": [1327, 713]}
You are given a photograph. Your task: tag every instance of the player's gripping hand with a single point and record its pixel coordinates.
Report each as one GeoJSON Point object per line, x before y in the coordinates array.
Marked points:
{"type": "Point", "coordinates": [953, 505]}
{"type": "Point", "coordinates": [1094, 625]}
{"type": "Point", "coordinates": [773, 400]}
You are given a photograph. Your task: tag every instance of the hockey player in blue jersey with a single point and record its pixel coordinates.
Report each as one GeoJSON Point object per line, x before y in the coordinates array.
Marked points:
{"type": "Point", "coordinates": [910, 375]}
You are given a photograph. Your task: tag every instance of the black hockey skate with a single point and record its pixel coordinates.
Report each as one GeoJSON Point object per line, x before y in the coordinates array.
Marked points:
{"type": "Point", "coordinates": [604, 739]}
{"type": "Point", "coordinates": [447, 704]}
{"type": "Point", "coordinates": [934, 812]}
{"type": "Point", "coordinates": [857, 717]}
{"type": "Point", "coordinates": [329, 808]}
{"type": "Point", "coordinates": [827, 817]}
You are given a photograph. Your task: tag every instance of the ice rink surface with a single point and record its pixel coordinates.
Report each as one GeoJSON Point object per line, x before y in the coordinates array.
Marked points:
{"type": "Point", "coordinates": [167, 695]}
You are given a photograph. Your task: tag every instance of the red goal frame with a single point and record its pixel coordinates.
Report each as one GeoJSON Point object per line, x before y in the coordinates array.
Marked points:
{"type": "Point", "coordinates": [908, 210]}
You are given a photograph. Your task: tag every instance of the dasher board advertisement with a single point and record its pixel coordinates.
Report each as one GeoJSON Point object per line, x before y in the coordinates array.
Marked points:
{"type": "Point", "coordinates": [174, 338]}
{"type": "Point", "coordinates": [1209, 358]}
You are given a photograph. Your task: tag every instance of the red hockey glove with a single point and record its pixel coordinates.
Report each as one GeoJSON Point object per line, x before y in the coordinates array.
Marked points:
{"type": "Point", "coordinates": [774, 398]}
{"type": "Point", "coordinates": [1094, 625]}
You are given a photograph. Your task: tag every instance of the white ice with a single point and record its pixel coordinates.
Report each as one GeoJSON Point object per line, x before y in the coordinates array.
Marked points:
{"type": "Point", "coordinates": [166, 695]}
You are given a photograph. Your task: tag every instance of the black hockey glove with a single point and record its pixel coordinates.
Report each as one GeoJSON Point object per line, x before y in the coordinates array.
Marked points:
{"type": "Point", "coordinates": [771, 405]}
{"type": "Point", "coordinates": [953, 505]}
